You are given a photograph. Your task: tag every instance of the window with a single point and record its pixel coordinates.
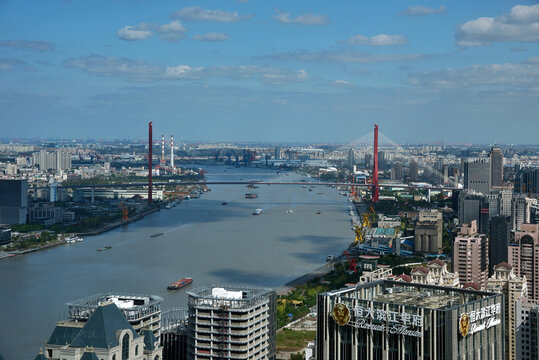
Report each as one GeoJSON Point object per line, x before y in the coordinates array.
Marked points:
{"type": "Point", "coordinates": [114, 357]}
{"type": "Point", "coordinates": [125, 347]}
{"type": "Point", "coordinates": [136, 350]}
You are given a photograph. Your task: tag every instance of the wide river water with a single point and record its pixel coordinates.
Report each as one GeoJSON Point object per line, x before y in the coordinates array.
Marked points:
{"type": "Point", "coordinates": [210, 242]}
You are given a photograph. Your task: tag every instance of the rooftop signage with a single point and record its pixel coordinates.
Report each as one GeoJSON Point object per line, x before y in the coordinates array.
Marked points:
{"type": "Point", "coordinates": [477, 320]}
{"type": "Point", "coordinates": [392, 322]}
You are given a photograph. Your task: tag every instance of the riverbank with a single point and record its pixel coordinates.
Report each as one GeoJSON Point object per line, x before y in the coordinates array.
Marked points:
{"type": "Point", "coordinates": [304, 279]}
{"type": "Point", "coordinates": [103, 229]}
{"type": "Point", "coordinates": [116, 224]}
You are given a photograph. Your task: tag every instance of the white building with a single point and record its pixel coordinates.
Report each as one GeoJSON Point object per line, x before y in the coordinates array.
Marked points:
{"type": "Point", "coordinates": [231, 323]}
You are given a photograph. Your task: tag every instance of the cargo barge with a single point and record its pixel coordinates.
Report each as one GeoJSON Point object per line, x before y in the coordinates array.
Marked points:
{"type": "Point", "coordinates": [180, 284]}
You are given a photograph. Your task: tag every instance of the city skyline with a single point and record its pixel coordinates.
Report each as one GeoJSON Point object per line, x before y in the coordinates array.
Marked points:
{"type": "Point", "coordinates": [270, 72]}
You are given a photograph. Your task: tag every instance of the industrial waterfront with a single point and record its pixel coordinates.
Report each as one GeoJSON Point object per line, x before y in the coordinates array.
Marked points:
{"type": "Point", "coordinates": [202, 238]}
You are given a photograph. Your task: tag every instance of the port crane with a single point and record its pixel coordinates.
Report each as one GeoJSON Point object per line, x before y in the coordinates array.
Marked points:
{"type": "Point", "coordinates": [352, 262]}
{"type": "Point", "coordinates": [125, 211]}
{"type": "Point", "coordinates": [362, 228]}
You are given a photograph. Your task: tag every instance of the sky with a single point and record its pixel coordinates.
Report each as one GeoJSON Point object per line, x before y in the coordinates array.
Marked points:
{"type": "Point", "coordinates": [279, 71]}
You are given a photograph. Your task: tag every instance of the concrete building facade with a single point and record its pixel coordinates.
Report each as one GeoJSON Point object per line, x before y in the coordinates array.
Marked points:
{"type": "Point", "coordinates": [470, 255]}
{"type": "Point", "coordinates": [477, 175]}
{"type": "Point", "coordinates": [523, 256]}
{"type": "Point", "coordinates": [428, 232]}
{"type": "Point", "coordinates": [496, 167]}
{"type": "Point", "coordinates": [231, 323]}
{"type": "Point", "coordinates": [521, 210]}
{"type": "Point", "coordinates": [513, 288]}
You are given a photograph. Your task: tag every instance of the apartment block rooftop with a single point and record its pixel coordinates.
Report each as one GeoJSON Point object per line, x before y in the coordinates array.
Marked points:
{"type": "Point", "coordinates": [229, 296]}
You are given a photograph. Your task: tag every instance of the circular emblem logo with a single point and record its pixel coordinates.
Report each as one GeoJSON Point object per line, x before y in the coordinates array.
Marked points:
{"type": "Point", "coordinates": [464, 324]}
{"type": "Point", "coordinates": [341, 314]}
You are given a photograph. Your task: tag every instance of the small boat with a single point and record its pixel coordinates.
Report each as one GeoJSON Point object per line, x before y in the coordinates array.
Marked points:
{"type": "Point", "coordinates": [79, 239]}
{"type": "Point", "coordinates": [330, 258]}
{"type": "Point", "coordinates": [104, 248]}
{"type": "Point", "coordinates": [251, 195]}
{"type": "Point", "coordinates": [156, 235]}
{"type": "Point", "coordinates": [71, 240]}
{"type": "Point", "coordinates": [320, 193]}
{"type": "Point", "coordinates": [224, 203]}
{"type": "Point", "coordinates": [310, 189]}
{"type": "Point", "coordinates": [318, 212]}
{"type": "Point", "coordinates": [290, 211]}
{"type": "Point", "coordinates": [180, 283]}
{"type": "Point", "coordinates": [257, 212]}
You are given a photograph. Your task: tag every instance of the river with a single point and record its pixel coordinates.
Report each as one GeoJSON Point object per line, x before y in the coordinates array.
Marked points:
{"type": "Point", "coordinates": [203, 239]}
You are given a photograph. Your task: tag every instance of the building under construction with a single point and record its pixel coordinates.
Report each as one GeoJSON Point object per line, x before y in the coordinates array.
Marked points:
{"type": "Point", "coordinates": [231, 323]}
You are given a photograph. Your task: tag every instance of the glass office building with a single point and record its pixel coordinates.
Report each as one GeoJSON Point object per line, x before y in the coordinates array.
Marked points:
{"type": "Point", "coordinates": [395, 320]}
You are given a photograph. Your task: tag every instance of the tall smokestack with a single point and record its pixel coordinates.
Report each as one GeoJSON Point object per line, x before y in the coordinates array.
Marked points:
{"type": "Point", "coordinates": [163, 149]}
{"type": "Point", "coordinates": [171, 151]}
{"type": "Point", "coordinates": [150, 145]}
{"type": "Point", "coordinates": [375, 186]}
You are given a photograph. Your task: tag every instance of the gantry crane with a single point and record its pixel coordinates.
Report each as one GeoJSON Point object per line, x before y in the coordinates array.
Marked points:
{"type": "Point", "coordinates": [352, 262]}
{"type": "Point", "coordinates": [125, 211]}
{"type": "Point", "coordinates": [362, 228]}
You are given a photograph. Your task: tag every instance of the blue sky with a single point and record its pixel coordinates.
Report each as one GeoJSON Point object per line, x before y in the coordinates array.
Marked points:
{"type": "Point", "coordinates": [303, 70]}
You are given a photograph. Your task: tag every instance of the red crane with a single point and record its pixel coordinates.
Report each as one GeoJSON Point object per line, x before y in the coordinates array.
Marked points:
{"type": "Point", "coordinates": [375, 185]}
{"type": "Point", "coordinates": [352, 262]}
{"type": "Point", "coordinates": [150, 145]}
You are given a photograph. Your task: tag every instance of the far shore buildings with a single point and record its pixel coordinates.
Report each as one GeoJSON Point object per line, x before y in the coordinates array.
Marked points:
{"type": "Point", "coordinates": [13, 201]}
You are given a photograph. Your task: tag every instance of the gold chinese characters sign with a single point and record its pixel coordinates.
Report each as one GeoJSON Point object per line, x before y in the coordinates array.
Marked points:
{"type": "Point", "coordinates": [480, 319]}
{"type": "Point", "coordinates": [341, 314]}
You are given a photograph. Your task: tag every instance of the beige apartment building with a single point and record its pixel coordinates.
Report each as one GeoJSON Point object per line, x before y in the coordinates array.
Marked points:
{"type": "Point", "coordinates": [470, 255]}
{"type": "Point", "coordinates": [514, 289]}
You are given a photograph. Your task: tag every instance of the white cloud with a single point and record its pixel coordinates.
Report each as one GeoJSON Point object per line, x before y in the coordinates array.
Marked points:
{"type": "Point", "coordinates": [521, 24]}
{"type": "Point", "coordinates": [338, 56]}
{"type": "Point", "coordinates": [196, 13]}
{"type": "Point", "coordinates": [303, 19]}
{"type": "Point", "coordinates": [422, 11]}
{"type": "Point", "coordinates": [503, 76]}
{"type": "Point", "coordinates": [138, 70]}
{"type": "Point", "coordinates": [131, 69]}
{"type": "Point", "coordinates": [132, 33]}
{"type": "Point", "coordinates": [533, 60]}
{"type": "Point", "coordinates": [211, 37]}
{"type": "Point", "coordinates": [266, 75]}
{"type": "Point", "coordinates": [8, 64]}
{"type": "Point", "coordinates": [28, 45]}
{"type": "Point", "coordinates": [378, 40]}
{"type": "Point", "coordinates": [341, 84]}
{"type": "Point", "coordinates": [173, 31]}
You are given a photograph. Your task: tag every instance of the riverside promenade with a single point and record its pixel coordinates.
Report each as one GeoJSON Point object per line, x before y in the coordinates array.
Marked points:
{"type": "Point", "coordinates": [302, 280]}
